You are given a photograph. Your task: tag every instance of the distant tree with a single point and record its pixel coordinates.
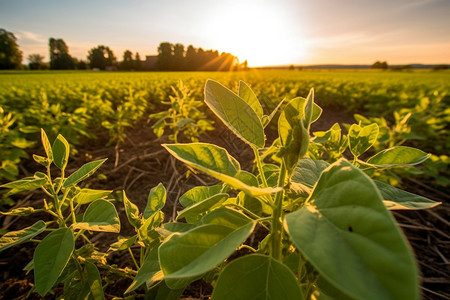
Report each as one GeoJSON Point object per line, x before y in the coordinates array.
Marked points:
{"type": "Point", "coordinates": [128, 62]}
{"type": "Point", "coordinates": [36, 62]}
{"type": "Point", "coordinates": [101, 57]}
{"type": "Point", "coordinates": [81, 64]}
{"type": "Point", "coordinates": [60, 58]}
{"type": "Point", "coordinates": [164, 61]}
{"type": "Point", "coordinates": [178, 57]}
{"type": "Point", "coordinates": [440, 67]}
{"type": "Point", "coordinates": [380, 65]}
{"type": "Point", "coordinates": [137, 62]}
{"type": "Point", "coordinates": [190, 58]}
{"type": "Point", "coordinates": [10, 55]}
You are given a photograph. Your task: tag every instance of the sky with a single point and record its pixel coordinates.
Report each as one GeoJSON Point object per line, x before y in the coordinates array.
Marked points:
{"type": "Point", "coordinates": [263, 32]}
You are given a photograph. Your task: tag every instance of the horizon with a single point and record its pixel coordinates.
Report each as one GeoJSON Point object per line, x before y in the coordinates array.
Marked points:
{"type": "Point", "coordinates": [262, 32]}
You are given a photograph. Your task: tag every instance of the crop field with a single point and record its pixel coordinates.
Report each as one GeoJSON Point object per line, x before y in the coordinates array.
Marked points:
{"type": "Point", "coordinates": [211, 175]}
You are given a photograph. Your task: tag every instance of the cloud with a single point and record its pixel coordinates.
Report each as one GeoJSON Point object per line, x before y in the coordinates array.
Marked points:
{"type": "Point", "coordinates": [28, 36]}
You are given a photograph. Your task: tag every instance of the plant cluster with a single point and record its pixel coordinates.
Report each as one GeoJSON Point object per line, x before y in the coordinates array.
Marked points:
{"type": "Point", "coordinates": [324, 229]}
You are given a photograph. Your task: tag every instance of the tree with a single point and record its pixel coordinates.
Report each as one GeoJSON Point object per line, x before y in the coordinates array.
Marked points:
{"type": "Point", "coordinates": [178, 57]}
{"type": "Point", "coordinates": [10, 55]}
{"type": "Point", "coordinates": [36, 62]}
{"type": "Point", "coordinates": [60, 58]}
{"type": "Point", "coordinates": [380, 65]}
{"type": "Point", "coordinates": [191, 54]}
{"type": "Point", "coordinates": [101, 57]}
{"type": "Point", "coordinates": [165, 57]}
{"type": "Point", "coordinates": [128, 62]}
{"type": "Point", "coordinates": [137, 61]}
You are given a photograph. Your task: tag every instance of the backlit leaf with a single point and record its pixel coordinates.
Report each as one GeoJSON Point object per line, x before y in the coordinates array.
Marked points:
{"type": "Point", "coordinates": [246, 94]}
{"type": "Point", "coordinates": [60, 150]}
{"type": "Point", "coordinates": [100, 215]}
{"type": "Point", "coordinates": [360, 139]}
{"type": "Point", "coordinates": [12, 238]}
{"type": "Point", "coordinates": [236, 114]}
{"type": "Point", "coordinates": [347, 234]}
{"type": "Point", "coordinates": [398, 156]}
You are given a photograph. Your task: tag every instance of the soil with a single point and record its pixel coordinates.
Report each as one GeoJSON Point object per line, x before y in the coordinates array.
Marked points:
{"type": "Point", "coordinates": [143, 163]}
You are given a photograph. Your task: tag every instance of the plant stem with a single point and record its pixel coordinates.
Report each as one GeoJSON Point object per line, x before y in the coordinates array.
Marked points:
{"type": "Point", "coordinates": [260, 168]}
{"type": "Point", "coordinates": [277, 226]}
{"type": "Point", "coordinates": [134, 259]}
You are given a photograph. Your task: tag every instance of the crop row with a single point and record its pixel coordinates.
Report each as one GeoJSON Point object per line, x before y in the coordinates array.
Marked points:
{"type": "Point", "coordinates": [408, 107]}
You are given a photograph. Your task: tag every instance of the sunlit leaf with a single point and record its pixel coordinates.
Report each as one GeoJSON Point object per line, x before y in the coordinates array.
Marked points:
{"type": "Point", "coordinates": [60, 150]}
{"type": "Point", "coordinates": [347, 234]}
{"type": "Point", "coordinates": [236, 114]}
{"type": "Point", "coordinates": [257, 277]}
{"type": "Point", "coordinates": [100, 215]}
{"type": "Point", "coordinates": [398, 156]}
{"type": "Point", "coordinates": [247, 94]}
{"type": "Point", "coordinates": [156, 200]}
{"type": "Point", "coordinates": [84, 172]}
{"type": "Point", "coordinates": [360, 139]}
{"type": "Point", "coordinates": [12, 238]}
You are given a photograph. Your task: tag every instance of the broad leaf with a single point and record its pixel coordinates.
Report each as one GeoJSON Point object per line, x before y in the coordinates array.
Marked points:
{"type": "Point", "coordinates": [257, 277]}
{"type": "Point", "coordinates": [123, 243]}
{"type": "Point", "coordinates": [156, 200]}
{"type": "Point", "coordinates": [100, 215]}
{"type": "Point", "coordinates": [86, 196]}
{"type": "Point", "coordinates": [307, 172]}
{"type": "Point", "coordinates": [360, 139]}
{"type": "Point", "coordinates": [84, 172]}
{"type": "Point", "coordinates": [132, 212]}
{"type": "Point", "coordinates": [24, 184]}
{"type": "Point", "coordinates": [194, 212]}
{"type": "Point", "coordinates": [395, 198]}
{"type": "Point", "coordinates": [247, 94]}
{"type": "Point", "coordinates": [227, 217]}
{"type": "Point", "coordinates": [236, 114]}
{"type": "Point", "coordinates": [148, 273]}
{"type": "Point", "coordinates": [346, 232]}
{"type": "Point", "coordinates": [61, 150]}
{"type": "Point", "coordinates": [199, 193]}
{"type": "Point", "coordinates": [186, 256]}
{"type": "Point", "coordinates": [17, 237]}
{"type": "Point", "coordinates": [398, 156]}
{"type": "Point", "coordinates": [215, 161]}
{"type": "Point", "coordinates": [93, 286]}
{"type": "Point", "coordinates": [51, 257]}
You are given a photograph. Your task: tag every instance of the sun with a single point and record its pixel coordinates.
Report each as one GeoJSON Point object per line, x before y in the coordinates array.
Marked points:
{"type": "Point", "coordinates": [259, 34]}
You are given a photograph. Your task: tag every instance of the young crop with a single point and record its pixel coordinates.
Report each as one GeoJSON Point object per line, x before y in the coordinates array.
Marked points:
{"type": "Point", "coordinates": [327, 227]}
{"type": "Point", "coordinates": [56, 258]}
{"type": "Point", "coordinates": [183, 116]}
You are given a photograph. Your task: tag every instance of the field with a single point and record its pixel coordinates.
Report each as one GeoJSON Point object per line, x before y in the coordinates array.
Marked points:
{"type": "Point", "coordinates": [125, 117]}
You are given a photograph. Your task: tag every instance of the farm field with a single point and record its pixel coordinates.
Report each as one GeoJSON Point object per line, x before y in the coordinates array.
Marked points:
{"type": "Point", "coordinates": [125, 117]}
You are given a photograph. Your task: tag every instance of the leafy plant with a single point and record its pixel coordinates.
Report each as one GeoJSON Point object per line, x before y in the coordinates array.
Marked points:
{"type": "Point", "coordinates": [183, 116]}
{"type": "Point", "coordinates": [56, 259]}
{"type": "Point", "coordinates": [327, 228]}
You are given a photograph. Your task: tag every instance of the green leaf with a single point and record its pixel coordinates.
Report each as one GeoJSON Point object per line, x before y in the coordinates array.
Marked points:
{"type": "Point", "coordinates": [148, 273]}
{"type": "Point", "coordinates": [247, 94]}
{"type": "Point", "coordinates": [123, 243]}
{"type": "Point", "coordinates": [93, 285]}
{"type": "Point", "coordinates": [51, 257]}
{"type": "Point", "coordinates": [360, 139]}
{"type": "Point", "coordinates": [46, 144]}
{"type": "Point", "coordinates": [215, 161]}
{"type": "Point", "coordinates": [257, 277]}
{"type": "Point", "coordinates": [156, 200]}
{"type": "Point", "coordinates": [347, 234]}
{"type": "Point", "coordinates": [132, 212]}
{"type": "Point", "coordinates": [235, 113]}
{"type": "Point", "coordinates": [227, 217]}
{"type": "Point", "coordinates": [86, 196]}
{"type": "Point", "coordinates": [395, 198]}
{"type": "Point", "coordinates": [266, 119]}
{"type": "Point", "coordinates": [84, 172]}
{"type": "Point", "coordinates": [194, 212]}
{"type": "Point", "coordinates": [61, 150]}
{"type": "Point", "coordinates": [100, 215]}
{"type": "Point", "coordinates": [398, 156]}
{"type": "Point", "coordinates": [307, 172]}
{"type": "Point", "coordinates": [17, 237]}
{"type": "Point", "coordinates": [293, 133]}
{"type": "Point", "coordinates": [25, 184]}
{"type": "Point", "coordinates": [199, 193]}
{"type": "Point", "coordinates": [188, 255]}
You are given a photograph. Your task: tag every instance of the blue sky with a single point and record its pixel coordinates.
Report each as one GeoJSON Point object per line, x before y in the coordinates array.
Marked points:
{"type": "Point", "coordinates": [263, 32]}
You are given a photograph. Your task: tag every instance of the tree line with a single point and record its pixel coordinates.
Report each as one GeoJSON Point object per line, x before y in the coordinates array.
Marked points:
{"type": "Point", "coordinates": [171, 57]}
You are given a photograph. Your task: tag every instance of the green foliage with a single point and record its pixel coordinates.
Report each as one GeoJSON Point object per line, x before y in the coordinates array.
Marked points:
{"type": "Point", "coordinates": [10, 55]}
{"type": "Point", "coordinates": [184, 116]}
{"type": "Point", "coordinates": [55, 258]}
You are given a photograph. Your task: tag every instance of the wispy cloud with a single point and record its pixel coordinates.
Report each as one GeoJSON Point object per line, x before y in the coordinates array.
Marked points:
{"type": "Point", "coordinates": [28, 36]}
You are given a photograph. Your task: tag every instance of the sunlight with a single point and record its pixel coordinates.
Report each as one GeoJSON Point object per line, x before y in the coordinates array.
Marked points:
{"type": "Point", "coordinates": [259, 34]}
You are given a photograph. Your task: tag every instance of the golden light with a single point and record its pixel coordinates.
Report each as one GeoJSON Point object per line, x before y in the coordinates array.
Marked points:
{"type": "Point", "coordinates": [256, 33]}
